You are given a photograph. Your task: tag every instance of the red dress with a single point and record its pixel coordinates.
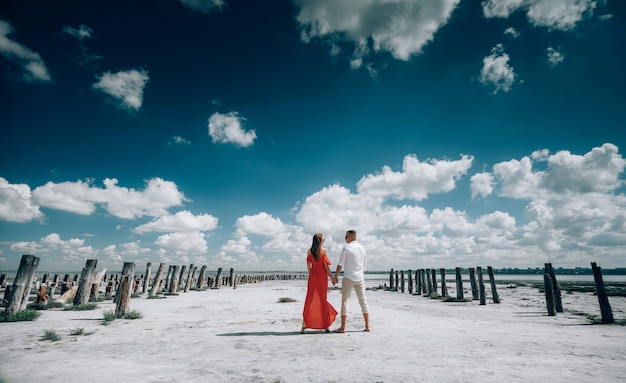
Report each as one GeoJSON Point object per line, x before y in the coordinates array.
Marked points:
{"type": "Point", "coordinates": [318, 313]}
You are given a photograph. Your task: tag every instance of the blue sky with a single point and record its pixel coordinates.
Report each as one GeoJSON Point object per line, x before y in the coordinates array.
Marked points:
{"type": "Point", "coordinates": [226, 133]}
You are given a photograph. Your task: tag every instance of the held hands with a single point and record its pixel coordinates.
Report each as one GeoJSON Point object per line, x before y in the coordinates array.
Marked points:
{"type": "Point", "coordinates": [334, 280]}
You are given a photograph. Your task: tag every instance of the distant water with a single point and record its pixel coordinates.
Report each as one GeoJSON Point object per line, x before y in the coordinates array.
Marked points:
{"type": "Point", "coordinates": [384, 278]}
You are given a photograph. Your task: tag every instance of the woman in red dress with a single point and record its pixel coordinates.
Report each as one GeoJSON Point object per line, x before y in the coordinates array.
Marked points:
{"type": "Point", "coordinates": [318, 313]}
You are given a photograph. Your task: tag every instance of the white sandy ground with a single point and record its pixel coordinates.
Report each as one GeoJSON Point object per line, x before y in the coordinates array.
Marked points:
{"type": "Point", "coordinates": [247, 335]}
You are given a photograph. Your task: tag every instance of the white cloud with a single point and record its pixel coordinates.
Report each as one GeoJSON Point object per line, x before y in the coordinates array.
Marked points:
{"type": "Point", "coordinates": [554, 57]}
{"type": "Point", "coordinates": [32, 63]}
{"type": "Point", "coordinates": [204, 6]}
{"type": "Point", "coordinates": [70, 250]}
{"type": "Point", "coordinates": [401, 27]}
{"type": "Point", "coordinates": [481, 184]}
{"type": "Point", "coordinates": [228, 129]}
{"type": "Point", "coordinates": [496, 71]}
{"type": "Point", "coordinates": [16, 204]}
{"type": "Point", "coordinates": [553, 14]}
{"type": "Point", "coordinates": [181, 222]}
{"type": "Point", "coordinates": [82, 198]}
{"type": "Point", "coordinates": [510, 31]}
{"type": "Point", "coordinates": [178, 140]}
{"type": "Point", "coordinates": [81, 33]}
{"type": "Point", "coordinates": [126, 86]}
{"type": "Point", "coordinates": [183, 243]}
{"type": "Point", "coordinates": [417, 179]}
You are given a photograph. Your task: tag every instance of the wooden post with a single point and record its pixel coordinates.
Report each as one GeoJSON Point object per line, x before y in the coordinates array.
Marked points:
{"type": "Point", "coordinates": [418, 281]}
{"type": "Point", "coordinates": [217, 278]}
{"type": "Point", "coordinates": [402, 281]}
{"type": "Point", "coordinates": [603, 299]}
{"type": "Point", "coordinates": [3, 278]}
{"type": "Point", "coordinates": [84, 286]}
{"type": "Point", "coordinates": [157, 280]}
{"type": "Point", "coordinates": [124, 293]}
{"type": "Point", "coordinates": [174, 282]}
{"type": "Point", "coordinates": [168, 278]}
{"type": "Point", "coordinates": [125, 289]}
{"type": "Point", "coordinates": [230, 277]}
{"type": "Point", "coordinates": [410, 278]}
{"type": "Point", "coordinates": [481, 286]}
{"type": "Point", "coordinates": [391, 280]}
{"type": "Point", "coordinates": [146, 280]}
{"type": "Point", "coordinates": [181, 279]}
{"type": "Point", "coordinates": [201, 278]}
{"type": "Point", "coordinates": [459, 284]}
{"type": "Point", "coordinates": [397, 281]}
{"type": "Point", "coordinates": [434, 277]}
{"type": "Point", "coordinates": [429, 282]}
{"type": "Point", "coordinates": [20, 290]}
{"type": "Point", "coordinates": [423, 272]}
{"type": "Point", "coordinates": [547, 284]}
{"type": "Point", "coordinates": [492, 280]}
{"type": "Point", "coordinates": [558, 303]}
{"type": "Point", "coordinates": [444, 289]}
{"type": "Point", "coordinates": [473, 284]}
{"type": "Point", "coordinates": [192, 273]}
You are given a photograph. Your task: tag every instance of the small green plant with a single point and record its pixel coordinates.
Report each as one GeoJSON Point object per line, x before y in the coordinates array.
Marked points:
{"type": "Point", "coordinates": [109, 316]}
{"type": "Point", "coordinates": [132, 315]}
{"type": "Point", "coordinates": [80, 331]}
{"type": "Point", "coordinates": [286, 300]}
{"type": "Point", "coordinates": [82, 307]}
{"type": "Point", "coordinates": [26, 315]}
{"type": "Point", "coordinates": [50, 335]}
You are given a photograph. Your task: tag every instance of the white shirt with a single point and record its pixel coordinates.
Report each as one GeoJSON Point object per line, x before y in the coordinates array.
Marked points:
{"type": "Point", "coordinates": [353, 261]}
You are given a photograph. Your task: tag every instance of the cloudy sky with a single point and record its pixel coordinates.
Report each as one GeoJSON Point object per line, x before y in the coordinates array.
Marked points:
{"type": "Point", "coordinates": [448, 133]}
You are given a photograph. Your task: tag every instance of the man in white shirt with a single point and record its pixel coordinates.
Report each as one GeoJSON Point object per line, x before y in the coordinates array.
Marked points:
{"type": "Point", "coordinates": [353, 262]}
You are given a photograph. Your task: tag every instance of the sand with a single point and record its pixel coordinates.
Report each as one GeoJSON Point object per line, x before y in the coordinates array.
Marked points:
{"type": "Point", "coordinates": [248, 335]}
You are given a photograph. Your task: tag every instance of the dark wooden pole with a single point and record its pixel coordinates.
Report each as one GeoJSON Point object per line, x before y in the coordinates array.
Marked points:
{"type": "Point", "coordinates": [217, 278]}
{"type": "Point", "coordinates": [192, 273]}
{"type": "Point", "coordinates": [391, 285]}
{"type": "Point", "coordinates": [429, 282]}
{"type": "Point", "coordinates": [547, 283]}
{"type": "Point", "coordinates": [481, 286]}
{"type": "Point", "coordinates": [402, 281]}
{"type": "Point", "coordinates": [20, 290]}
{"type": "Point", "coordinates": [410, 278]}
{"type": "Point", "coordinates": [433, 273]}
{"type": "Point", "coordinates": [473, 284]}
{"type": "Point", "coordinates": [603, 299]}
{"type": "Point", "coordinates": [459, 284]}
{"type": "Point", "coordinates": [174, 282]}
{"type": "Point", "coordinates": [423, 272]}
{"type": "Point", "coordinates": [492, 280]}
{"type": "Point", "coordinates": [418, 281]}
{"type": "Point", "coordinates": [558, 303]}
{"type": "Point", "coordinates": [444, 288]}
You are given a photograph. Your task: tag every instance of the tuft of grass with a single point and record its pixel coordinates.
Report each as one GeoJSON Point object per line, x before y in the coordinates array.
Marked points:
{"type": "Point", "coordinates": [22, 316]}
{"type": "Point", "coordinates": [82, 307]}
{"type": "Point", "coordinates": [80, 331]}
{"type": "Point", "coordinates": [286, 300]}
{"type": "Point", "coordinates": [50, 335]}
{"type": "Point", "coordinates": [109, 316]}
{"type": "Point", "coordinates": [133, 315]}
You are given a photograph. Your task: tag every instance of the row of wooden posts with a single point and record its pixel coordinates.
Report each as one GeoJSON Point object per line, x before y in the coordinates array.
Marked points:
{"type": "Point", "coordinates": [426, 283]}
{"type": "Point", "coordinates": [84, 288]}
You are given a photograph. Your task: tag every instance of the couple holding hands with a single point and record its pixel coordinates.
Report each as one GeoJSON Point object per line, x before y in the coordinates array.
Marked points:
{"type": "Point", "coordinates": [318, 312]}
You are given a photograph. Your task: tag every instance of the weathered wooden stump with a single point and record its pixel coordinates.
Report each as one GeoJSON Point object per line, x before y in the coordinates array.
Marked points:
{"type": "Point", "coordinates": [201, 278]}
{"type": "Point", "coordinates": [481, 286]}
{"type": "Point", "coordinates": [433, 273]}
{"type": "Point", "coordinates": [174, 282]}
{"type": "Point", "coordinates": [157, 280]}
{"type": "Point", "coordinates": [547, 283]}
{"type": "Point", "coordinates": [492, 280]}
{"type": "Point", "coordinates": [473, 284]}
{"type": "Point", "coordinates": [146, 280]}
{"type": "Point", "coordinates": [410, 277]}
{"type": "Point", "coordinates": [459, 284]}
{"type": "Point", "coordinates": [124, 292]}
{"type": "Point", "coordinates": [84, 286]}
{"type": "Point", "coordinates": [556, 291]}
{"type": "Point", "coordinates": [20, 290]}
{"type": "Point", "coordinates": [217, 279]}
{"type": "Point", "coordinates": [444, 289]}
{"type": "Point", "coordinates": [402, 281]}
{"type": "Point", "coordinates": [603, 299]}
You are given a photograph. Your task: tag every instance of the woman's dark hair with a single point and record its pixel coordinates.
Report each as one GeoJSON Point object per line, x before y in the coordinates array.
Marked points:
{"type": "Point", "coordinates": [316, 246]}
